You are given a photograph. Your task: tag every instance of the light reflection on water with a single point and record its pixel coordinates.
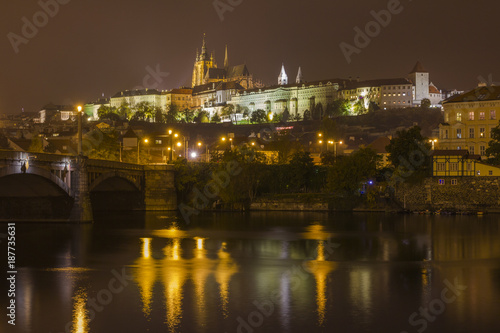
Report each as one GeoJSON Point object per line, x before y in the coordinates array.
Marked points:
{"type": "Point", "coordinates": [205, 276]}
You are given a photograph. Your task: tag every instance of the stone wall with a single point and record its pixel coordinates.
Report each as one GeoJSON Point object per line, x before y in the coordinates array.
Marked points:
{"type": "Point", "coordinates": [159, 188]}
{"type": "Point", "coordinates": [469, 194]}
{"type": "Point", "coordinates": [288, 205]}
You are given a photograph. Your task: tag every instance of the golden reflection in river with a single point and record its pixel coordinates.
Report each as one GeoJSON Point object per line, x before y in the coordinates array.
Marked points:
{"type": "Point", "coordinates": [80, 314]}
{"type": "Point", "coordinates": [146, 276]}
{"type": "Point", "coordinates": [320, 268]}
{"type": "Point", "coordinates": [173, 278]}
{"type": "Point", "coordinates": [223, 272]}
{"type": "Point", "coordinates": [201, 269]}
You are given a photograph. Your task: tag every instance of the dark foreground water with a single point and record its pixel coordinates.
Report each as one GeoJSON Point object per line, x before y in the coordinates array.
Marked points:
{"type": "Point", "coordinates": [263, 272]}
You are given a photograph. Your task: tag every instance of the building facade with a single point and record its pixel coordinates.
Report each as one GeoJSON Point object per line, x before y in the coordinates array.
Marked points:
{"type": "Point", "coordinates": [134, 97]}
{"type": "Point", "coordinates": [297, 98]}
{"type": "Point", "coordinates": [469, 119]}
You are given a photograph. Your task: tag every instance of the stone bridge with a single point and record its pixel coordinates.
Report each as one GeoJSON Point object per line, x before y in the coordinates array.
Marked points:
{"type": "Point", "coordinates": [75, 179]}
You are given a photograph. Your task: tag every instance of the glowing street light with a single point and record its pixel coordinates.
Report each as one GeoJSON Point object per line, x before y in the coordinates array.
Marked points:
{"type": "Point", "coordinates": [79, 149]}
{"type": "Point", "coordinates": [433, 143]}
{"type": "Point", "coordinates": [193, 155]}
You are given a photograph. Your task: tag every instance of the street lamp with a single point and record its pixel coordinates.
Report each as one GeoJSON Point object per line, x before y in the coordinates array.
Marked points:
{"type": "Point", "coordinates": [79, 149]}
{"type": "Point", "coordinates": [433, 143]}
{"type": "Point", "coordinates": [138, 148]}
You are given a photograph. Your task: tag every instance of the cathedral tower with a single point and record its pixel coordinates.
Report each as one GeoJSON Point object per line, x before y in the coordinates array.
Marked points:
{"type": "Point", "coordinates": [202, 64]}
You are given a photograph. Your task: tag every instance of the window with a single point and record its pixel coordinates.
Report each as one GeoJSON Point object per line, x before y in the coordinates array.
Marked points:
{"type": "Point", "coordinates": [454, 182]}
{"type": "Point", "coordinates": [158, 142]}
{"type": "Point", "coordinates": [493, 114]}
{"type": "Point", "coordinates": [481, 132]}
{"type": "Point", "coordinates": [454, 166]}
{"type": "Point", "coordinates": [471, 133]}
{"type": "Point", "coordinates": [446, 134]}
{"type": "Point", "coordinates": [471, 150]}
{"type": "Point", "coordinates": [490, 172]}
{"type": "Point", "coordinates": [482, 150]}
{"type": "Point", "coordinates": [441, 182]}
{"type": "Point", "coordinates": [481, 115]}
{"type": "Point", "coordinates": [459, 116]}
{"type": "Point", "coordinates": [471, 115]}
{"type": "Point", "coordinates": [469, 166]}
{"type": "Point", "coordinates": [459, 133]}
{"type": "Point", "coordinates": [441, 166]}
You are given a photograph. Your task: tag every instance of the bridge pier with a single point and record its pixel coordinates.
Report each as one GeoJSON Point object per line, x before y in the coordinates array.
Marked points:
{"type": "Point", "coordinates": [82, 207]}
{"type": "Point", "coordinates": [159, 188]}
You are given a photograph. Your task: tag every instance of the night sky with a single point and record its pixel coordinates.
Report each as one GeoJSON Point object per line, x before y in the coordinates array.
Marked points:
{"type": "Point", "coordinates": [93, 47]}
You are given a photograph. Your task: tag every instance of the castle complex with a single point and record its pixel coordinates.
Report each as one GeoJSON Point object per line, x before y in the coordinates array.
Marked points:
{"type": "Point", "coordinates": [214, 87]}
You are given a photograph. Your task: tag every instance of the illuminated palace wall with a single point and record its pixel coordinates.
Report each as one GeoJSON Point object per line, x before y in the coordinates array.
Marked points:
{"type": "Point", "coordinates": [296, 97]}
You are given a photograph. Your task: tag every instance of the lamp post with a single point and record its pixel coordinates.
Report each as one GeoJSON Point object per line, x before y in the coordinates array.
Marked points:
{"type": "Point", "coordinates": [334, 143]}
{"type": "Point", "coordinates": [80, 135]}
{"type": "Point", "coordinates": [433, 142]}
{"type": "Point", "coordinates": [138, 150]}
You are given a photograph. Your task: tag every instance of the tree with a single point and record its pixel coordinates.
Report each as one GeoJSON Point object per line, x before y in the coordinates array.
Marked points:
{"type": "Point", "coordinates": [285, 116]}
{"type": "Point", "coordinates": [372, 107]}
{"type": "Point", "coordinates": [172, 115]}
{"type": "Point", "coordinates": [347, 175]}
{"type": "Point", "coordinates": [215, 118]}
{"type": "Point", "coordinates": [307, 115]}
{"type": "Point", "coordinates": [259, 116]}
{"type": "Point", "coordinates": [359, 107]}
{"type": "Point", "coordinates": [143, 111]}
{"type": "Point", "coordinates": [284, 144]}
{"type": "Point", "coordinates": [409, 152]}
{"type": "Point", "coordinates": [36, 145]}
{"type": "Point", "coordinates": [317, 112]}
{"type": "Point", "coordinates": [493, 150]}
{"type": "Point", "coordinates": [301, 171]}
{"type": "Point", "coordinates": [337, 108]}
{"type": "Point", "coordinates": [425, 104]}
{"type": "Point", "coordinates": [107, 112]}
{"type": "Point", "coordinates": [124, 111]}
{"type": "Point", "coordinates": [201, 116]}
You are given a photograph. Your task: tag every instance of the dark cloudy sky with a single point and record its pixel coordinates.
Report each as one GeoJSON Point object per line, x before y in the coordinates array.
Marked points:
{"type": "Point", "coordinates": [92, 47]}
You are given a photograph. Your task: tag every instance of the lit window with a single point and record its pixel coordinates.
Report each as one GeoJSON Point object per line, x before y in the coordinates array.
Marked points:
{"type": "Point", "coordinates": [481, 132]}
{"type": "Point", "coordinates": [471, 115]}
{"type": "Point", "coordinates": [481, 116]}
{"type": "Point", "coordinates": [441, 182]}
{"type": "Point", "coordinates": [459, 116]}
{"type": "Point", "coordinates": [493, 114]}
{"type": "Point", "coordinates": [454, 182]}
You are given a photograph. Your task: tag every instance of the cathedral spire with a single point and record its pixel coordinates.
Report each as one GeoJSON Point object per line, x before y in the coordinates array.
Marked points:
{"type": "Point", "coordinates": [204, 54]}
{"type": "Point", "coordinates": [283, 78]}
{"type": "Point", "coordinates": [299, 78]}
{"type": "Point", "coordinates": [226, 60]}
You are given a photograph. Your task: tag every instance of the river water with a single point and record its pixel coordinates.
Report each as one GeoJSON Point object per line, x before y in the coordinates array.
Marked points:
{"type": "Point", "coordinates": [258, 272]}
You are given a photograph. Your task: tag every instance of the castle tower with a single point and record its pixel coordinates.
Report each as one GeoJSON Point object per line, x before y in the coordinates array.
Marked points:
{"type": "Point", "coordinates": [283, 78]}
{"type": "Point", "coordinates": [202, 64]}
{"type": "Point", "coordinates": [420, 79]}
{"type": "Point", "coordinates": [299, 78]}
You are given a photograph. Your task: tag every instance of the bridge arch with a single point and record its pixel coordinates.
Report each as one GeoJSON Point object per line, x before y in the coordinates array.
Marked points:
{"type": "Point", "coordinates": [33, 170]}
{"type": "Point", "coordinates": [133, 181]}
